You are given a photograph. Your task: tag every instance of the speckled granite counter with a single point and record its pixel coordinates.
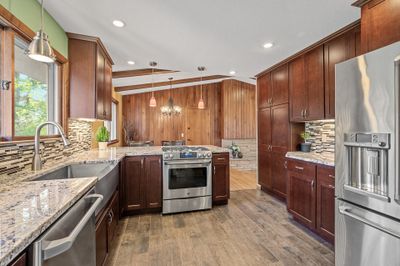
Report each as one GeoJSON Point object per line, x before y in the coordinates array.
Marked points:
{"type": "Point", "coordinates": [313, 157]}
{"type": "Point", "coordinates": [30, 208]}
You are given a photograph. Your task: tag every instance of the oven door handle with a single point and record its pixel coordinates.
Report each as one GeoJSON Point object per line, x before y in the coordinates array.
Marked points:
{"type": "Point", "coordinates": [191, 163]}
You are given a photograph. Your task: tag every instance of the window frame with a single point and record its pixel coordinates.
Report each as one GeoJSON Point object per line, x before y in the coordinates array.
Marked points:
{"type": "Point", "coordinates": [116, 140]}
{"type": "Point", "coordinates": [10, 28]}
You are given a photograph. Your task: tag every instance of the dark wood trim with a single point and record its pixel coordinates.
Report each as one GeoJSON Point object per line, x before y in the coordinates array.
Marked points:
{"type": "Point", "coordinates": [114, 100]}
{"type": "Point", "coordinates": [140, 72]}
{"type": "Point", "coordinates": [111, 142]}
{"type": "Point", "coordinates": [166, 83]}
{"type": "Point", "coordinates": [91, 39]}
{"type": "Point", "coordinates": [352, 25]}
{"type": "Point", "coordinates": [23, 30]}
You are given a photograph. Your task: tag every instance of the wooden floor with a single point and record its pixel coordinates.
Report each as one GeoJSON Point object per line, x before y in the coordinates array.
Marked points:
{"type": "Point", "coordinates": [253, 229]}
{"type": "Point", "coordinates": [242, 179]}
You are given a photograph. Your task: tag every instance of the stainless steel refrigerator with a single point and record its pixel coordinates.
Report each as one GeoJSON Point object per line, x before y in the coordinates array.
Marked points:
{"type": "Point", "coordinates": [367, 178]}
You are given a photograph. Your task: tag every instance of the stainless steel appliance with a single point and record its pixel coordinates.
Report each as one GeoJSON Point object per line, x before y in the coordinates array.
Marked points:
{"type": "Point", "coordinates": [367, 217]}
{"type": "Point", "coordinates": [187, 181]}
{"type": "Point", "coordinates": [72, 239]}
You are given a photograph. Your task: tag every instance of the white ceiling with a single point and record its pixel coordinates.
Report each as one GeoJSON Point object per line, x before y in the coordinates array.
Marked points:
{"type": "Point", "coordinates": [222, 35]}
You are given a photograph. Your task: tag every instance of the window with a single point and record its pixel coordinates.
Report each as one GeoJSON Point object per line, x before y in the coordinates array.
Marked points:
{"type": "Point", "coordinates": [37, 96]}
{"type": "Point", "coordinates": [112, 125]}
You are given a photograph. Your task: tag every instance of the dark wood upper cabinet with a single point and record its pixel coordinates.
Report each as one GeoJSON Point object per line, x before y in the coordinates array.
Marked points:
{"type": "Point", "coordinates": [326, 202]}
{"type": "Point", "coordinates": [314, 81]}
{"type": "Point", "coordinates": [280, 85]}
{"type": "Point", "coordinates": [264, 90]}
{"type": "Point", "coordinates": [280, 128]}
{"type": "Point", "coordinates": [380, 24]}
{"type": "Point", "coordinates": [153, 182]}
{"type": "Point", "coordinates": [339, 49]}
{"type": "Point", "coordinates": [297, 89]}
{"type": "Point", "coordinates": [220, 183]}
{"type": "Point", "coordinates": [90, 78]}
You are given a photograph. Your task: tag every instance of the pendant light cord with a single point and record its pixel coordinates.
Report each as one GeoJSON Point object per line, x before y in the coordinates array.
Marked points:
{"type": "Point", "coordinates": [42, 19]}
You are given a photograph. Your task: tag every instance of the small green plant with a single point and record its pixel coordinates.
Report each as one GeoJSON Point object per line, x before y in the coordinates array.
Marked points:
{"type": "Point", "coordinates": [305, 135]}
{"type": "Point", "coordinates": [234, 147]}
{"type": "Point", "coordinates": [102, 134]}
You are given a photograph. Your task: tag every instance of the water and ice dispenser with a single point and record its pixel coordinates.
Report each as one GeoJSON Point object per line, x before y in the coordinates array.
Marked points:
{"type": "Point", "coordinates": [367, 155]}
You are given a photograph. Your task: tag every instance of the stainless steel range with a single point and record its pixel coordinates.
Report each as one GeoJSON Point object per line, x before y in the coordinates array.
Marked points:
{"type": "Point", "coordinates": [187, 179]}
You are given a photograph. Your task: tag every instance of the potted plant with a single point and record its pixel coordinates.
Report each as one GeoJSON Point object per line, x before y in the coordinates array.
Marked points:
{"type": "Point", "coordinates": [235, 149]}
{"type": "Point", "coordinates": [305, 146]}
{"type": "Point", "coordinates": [102, 137]}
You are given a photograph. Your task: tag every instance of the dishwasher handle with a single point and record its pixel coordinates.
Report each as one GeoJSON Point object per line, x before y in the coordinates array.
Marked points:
{"type": "Point", "coordinates": [53, 248]}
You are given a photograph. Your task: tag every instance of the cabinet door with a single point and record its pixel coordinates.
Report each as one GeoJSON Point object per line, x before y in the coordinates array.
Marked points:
{"type": "Point", "coordinates": [113, 216]}
{"type": "Point", "coordinates": [264, 169]}
{"type": "Point", "coordinates": [134, 183]}
{"type": "Point", "coordinates": [220, 183]}
{"type": "Point", "coordinates": [100, 67]}
{"type": "Point", "coordinates": [280, 128]}
{"type": "Point", "coordinates": [280, 85]}
{"type": "Point", "coordinates": [101, 241]}
{"type": "Point", "coordinates": [279, 174]}
{"type": "Point", "coordinates": [20, 261]}
{"type": "Point", "coordinates": [326, 202]}
{"type": "Point", "coordinates": [107, 90]}
{"type": "Point", "coordinates": [301, 198]}
{"type": "Point", "coordinates": [264, 128]}
{"type": "Point", "coordinates": [153, 182]}
{"type": "Point", "coordinates": [314, 72]}
{"type": "Point", "coordinates": [337, 50]}
{"type": "Point", "coordinates": [297, 89]}
{"type": "Point", "coordinates": [264, 90]}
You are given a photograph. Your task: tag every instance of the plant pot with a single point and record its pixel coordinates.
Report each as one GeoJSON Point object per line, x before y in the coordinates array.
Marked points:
{"type": "Point", "coordinates": [305, 147]}
{"type": "Point", "coordinates": [103, 146]}
{"type": "Point", "coordinates": [234, 154]}
{"type": "Point", "coordinates": [240, 155]}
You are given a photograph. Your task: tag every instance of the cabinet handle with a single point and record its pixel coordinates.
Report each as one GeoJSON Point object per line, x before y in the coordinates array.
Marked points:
{"type": "Point", "coordinates": [305, 113]}
{"type": "Point", "coordinates": [332, 187]}
{"type": "Point", "coordinates": [299, 168]}
{"type": "Point", "coordinates": [214, 170]}
{"type": "Point", "coordinates": [285, 164]}
{"type": "Point", "coordinates": [141, 162]}
{"type": "Point", "coordinates": [110, 217]}
{"type": "Point", "coordinates": [302, 113]}
{"type": "Point", "coordinates": [220, 159]}
{"type": "Point", "coordinates": [312, 185]}
{"type": "Point", "coordinates": [331, 176]}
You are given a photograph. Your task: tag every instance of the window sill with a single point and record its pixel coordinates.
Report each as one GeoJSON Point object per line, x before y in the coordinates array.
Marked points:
{"type": "Point", "coordinates": [112, 142]}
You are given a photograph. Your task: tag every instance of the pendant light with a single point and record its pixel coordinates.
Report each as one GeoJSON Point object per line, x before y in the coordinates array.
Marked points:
{"type": "Point", "coordinates": [201, 101]}
{"type": "Point", "coordinates": [170, 109]}
{"type": "Point", "coordinates": [153, 102]}
{"type": "Point", "coordinates": [40, 49]}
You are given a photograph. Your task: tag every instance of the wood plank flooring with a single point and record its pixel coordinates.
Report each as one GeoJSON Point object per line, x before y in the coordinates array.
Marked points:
{"type": "Point", "coordinates": [242, 179]}
{"type": "Point", "coordinates": [253, 229]}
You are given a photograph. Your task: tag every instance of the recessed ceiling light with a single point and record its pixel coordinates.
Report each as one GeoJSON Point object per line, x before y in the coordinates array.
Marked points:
{"type": "Point", "coordinates": [232, 72]}
{"type": "Point", "coordinates": [131, 62]}
{"type": "Point", "coordinates": [268, 45]}
{"type": "Point", "coordinates": [118, 23]}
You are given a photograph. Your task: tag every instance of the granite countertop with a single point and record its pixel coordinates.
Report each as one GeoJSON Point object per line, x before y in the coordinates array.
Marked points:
{"type": "Point", "coordinates": [30, 208]}
{"type": "Point", "coordinates": [319, 158]}
{"type": "Point", "coordinates": [27, 209]}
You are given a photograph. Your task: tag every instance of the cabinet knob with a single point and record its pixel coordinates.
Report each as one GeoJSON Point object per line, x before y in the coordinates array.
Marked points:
{"type": "Point", "coordinates": [299, 168]}
{"type": "Point", "coordinates": [305, 112]}
{"type": "Point", "coordinates": [285, 164]}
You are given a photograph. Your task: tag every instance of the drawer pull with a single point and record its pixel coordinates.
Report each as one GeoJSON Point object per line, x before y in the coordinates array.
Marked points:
{"type": "Point", "coordinates": [332, 187]}
{"type": "Point", "coordinates": [299, 168]}
{"type": "Point", "coordinates": [221, 159]}
{"type": "Point", "coordinates": [331, 176]}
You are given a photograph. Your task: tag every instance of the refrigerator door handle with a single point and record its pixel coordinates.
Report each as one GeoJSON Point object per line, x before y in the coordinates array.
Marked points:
{"type": "Point", "coordinates": [397, 128]}
{"type": "Point", "coordinates": [347, 212]}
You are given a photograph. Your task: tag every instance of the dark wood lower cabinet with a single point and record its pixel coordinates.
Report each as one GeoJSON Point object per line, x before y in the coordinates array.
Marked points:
{"type": "Point", "coordinates": [264, 169]}
{"type": "Point", "coordinates": [101, 241]}
{"type": "Point", "coordinates": [311, 196]}
{"type": "Point", "coordinates": [19, 261]}
{"type": "Point", "coordinates": [278, 175]}
{"type": "Point", "coordinates": [326, 202]}
{"type": "Point", "coordinates": [220, 183]}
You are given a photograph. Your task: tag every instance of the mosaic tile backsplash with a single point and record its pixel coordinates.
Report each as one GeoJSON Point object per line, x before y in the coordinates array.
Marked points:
{"type": "Point", "coordinates": [16, 157]}
{"type": "Point", "coordinates": [322, 135]}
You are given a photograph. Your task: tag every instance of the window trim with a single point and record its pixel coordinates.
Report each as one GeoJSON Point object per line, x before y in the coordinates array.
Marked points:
{"type": "Point", "coordinates": [9, 27]}
{"type": "Point", "coordinates": [114, 141]}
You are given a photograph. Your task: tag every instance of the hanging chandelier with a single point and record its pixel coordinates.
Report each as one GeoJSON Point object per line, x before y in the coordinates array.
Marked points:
{"type": "Point", "coordinates": [153, 102]}
{"type": "Point", "coordinates": [170, 109]}
{"type": "Point", "coordinates": [201, 104]}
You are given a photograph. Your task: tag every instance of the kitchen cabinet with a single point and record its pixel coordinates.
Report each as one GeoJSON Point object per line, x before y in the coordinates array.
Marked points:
{"type": "Point", "coordinates": [280, 85]}
{"type": "Point", "coordinates": [20, 260]}
{"type": "Point", "coordinates": [106, 227]}
{"type": "Point", "coordinates": [306, 86]}
{"type": "Point", "coordinates": [325, 222]}
{"type": "Point", "coordinates": [142, 183]}
{"type": "Point", "coordinates": [311, 196]}
{"type": "Point", "coordinates": [220, 177]}
{"type": "Point", "coordinates": [264, 90]}
{"type": "Point", "coordinates": [90, 68]}
{"type": "Point", "coordinates": [339, 49]}
{"type": "Point", "coordinates": [276, 137]}
{"type": "Point", "coordinates": [380, 24]}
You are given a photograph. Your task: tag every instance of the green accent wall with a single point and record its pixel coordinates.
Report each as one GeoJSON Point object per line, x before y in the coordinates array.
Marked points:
{"type": "Point", "coordinates": [28, 11]}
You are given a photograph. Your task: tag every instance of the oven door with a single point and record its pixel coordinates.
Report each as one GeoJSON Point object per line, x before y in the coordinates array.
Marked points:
{"type": "Point", "coordinates": [187, 179]}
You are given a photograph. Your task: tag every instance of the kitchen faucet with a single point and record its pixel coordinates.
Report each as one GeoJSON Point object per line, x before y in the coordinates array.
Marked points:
{"type": "Point", "coordinates": [36, 160]}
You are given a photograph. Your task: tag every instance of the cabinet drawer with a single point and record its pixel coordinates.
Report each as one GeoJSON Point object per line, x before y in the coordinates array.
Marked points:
{"type": "Point", "coordinates": [302, 167]}
{"type": "Point", "coordinates": [220, 158]}
{"type": "Point", "coordinates": [326, 172]}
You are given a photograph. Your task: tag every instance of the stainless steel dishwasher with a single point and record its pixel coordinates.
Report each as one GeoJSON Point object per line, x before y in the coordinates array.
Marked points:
{"type": "Point", "coordinates": [71, 240]}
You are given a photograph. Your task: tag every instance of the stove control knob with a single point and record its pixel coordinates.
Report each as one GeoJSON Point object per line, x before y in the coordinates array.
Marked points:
{"type": "Point", "coordinates": [208, 155]}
